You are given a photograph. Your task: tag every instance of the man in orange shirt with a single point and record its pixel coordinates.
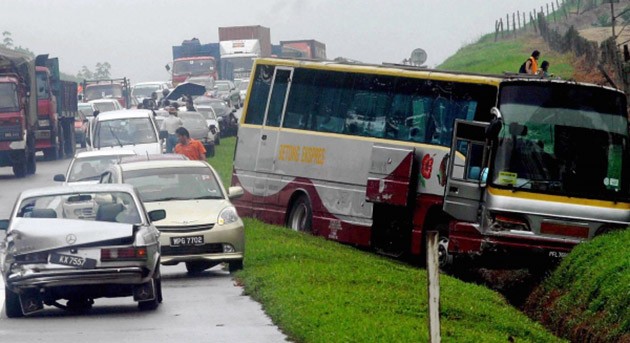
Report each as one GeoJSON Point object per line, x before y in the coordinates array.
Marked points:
{"type": "Point", "coordinates": [191, 148]}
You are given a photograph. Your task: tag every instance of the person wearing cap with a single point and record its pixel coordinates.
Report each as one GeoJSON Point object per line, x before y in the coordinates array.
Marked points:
{"type": "Point", "coordinates": [170, 125]}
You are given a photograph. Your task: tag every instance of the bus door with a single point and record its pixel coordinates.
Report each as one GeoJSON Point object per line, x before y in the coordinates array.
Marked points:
{"type": "Point", "coordinates": [389, 178]}
{"type": "Point", "coordinates": [270, 132]}
{"type": "Point", "coordinates": [467, 170]}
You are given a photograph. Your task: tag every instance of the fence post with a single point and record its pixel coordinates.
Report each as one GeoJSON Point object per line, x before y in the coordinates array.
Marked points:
{"type": "Point", "coordinates": [547, 10]}
{"type": "Point", "coordinates": [524, 22]}
{"type": "Point", "coordinates": [514, 24]}
{"type": "Point", "coordinates": [496, 30]}
{"type": "Point", "coordinates": [518, 15]}
{"type": "Point", "coordinates": [433, 286]}
{"type": "Point", "coordinates": [507, 22]}
{"type": "Point", "coordinates": [553, 11]}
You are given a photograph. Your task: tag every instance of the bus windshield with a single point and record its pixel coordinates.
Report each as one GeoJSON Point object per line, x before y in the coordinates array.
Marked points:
{"type": "Point", "coordinates": [193, 67]}
{"type": "Point", "coordinates": [563, 140]}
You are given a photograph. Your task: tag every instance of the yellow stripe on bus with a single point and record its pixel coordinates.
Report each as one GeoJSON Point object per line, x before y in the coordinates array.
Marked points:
{"type": "Point", "coordinates": [559, 198]}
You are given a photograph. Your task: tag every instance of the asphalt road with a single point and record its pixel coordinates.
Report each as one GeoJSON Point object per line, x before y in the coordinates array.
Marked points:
{"type": "Point", "coordinates": [208, 307]}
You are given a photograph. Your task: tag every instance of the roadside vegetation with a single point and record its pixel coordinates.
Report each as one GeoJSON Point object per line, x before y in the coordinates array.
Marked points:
{"type": "Point", "coordinates": [490, 57]}
{"type": "Point", "coordinates": [587, 298]}
{"type": "Point", "coordinates": [321, 291]}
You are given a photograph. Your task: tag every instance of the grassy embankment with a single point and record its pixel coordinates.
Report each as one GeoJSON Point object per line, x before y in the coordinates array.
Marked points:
{"type": "Point", "coordinates": [588, 297]}
{"type": "Point", "coordinates": [490, 57]}
{"type": "Point", "coordinates": [320, 291]}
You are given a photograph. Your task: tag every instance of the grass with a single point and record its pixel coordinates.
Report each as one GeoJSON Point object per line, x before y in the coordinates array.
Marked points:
{"type": "Point", "coordinates": [588, 297]}
{"type": "Point", "coordinates": [506, 55]}
{"type": "Point", "coordinates": [321, 291]}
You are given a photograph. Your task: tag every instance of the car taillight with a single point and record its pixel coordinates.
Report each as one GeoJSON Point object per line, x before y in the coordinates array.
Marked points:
{"type": "Point", "coordinates": [117, 254]}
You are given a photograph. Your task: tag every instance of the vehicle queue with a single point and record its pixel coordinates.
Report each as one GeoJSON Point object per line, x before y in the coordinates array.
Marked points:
{"type": "Point", "coordinates": [175, 210]}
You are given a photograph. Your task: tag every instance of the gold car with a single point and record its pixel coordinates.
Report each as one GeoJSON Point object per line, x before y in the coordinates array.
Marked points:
{"type": "Point", "coordinates": [201, 227]}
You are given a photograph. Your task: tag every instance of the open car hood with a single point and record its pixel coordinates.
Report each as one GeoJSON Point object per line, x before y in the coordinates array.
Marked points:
{"type": "Point", "coordinates": [30, 235]}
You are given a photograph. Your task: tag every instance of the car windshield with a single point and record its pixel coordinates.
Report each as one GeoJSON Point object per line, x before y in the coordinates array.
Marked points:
{"type": "Point", "coordinates": [163, 184]}
{"type": "Point", "coordinates": [105, 106]}
{"type": "Point", "coordinates": [87, 111]}
{"type": "Point", "coordinates": [192, 119]}
{"type": "Point", "coordinates": [90, 168]}
{"type": "Point", "coordinates": [117, 207]}
{"type": "Point", "coordinates": [118, 132]}
{"type": "Point", "coordinates": [542, 145]}
{"type": "Point", "coordinates": [144, 91]}
{"type": "Point", "coordinates": [207, 112]}
{"type": "Point", "coordinates": [43, 91]}
{"type": "Point", "coordinates": [8, 98]}
{"type": "Point", "coordinates": [103, 91]}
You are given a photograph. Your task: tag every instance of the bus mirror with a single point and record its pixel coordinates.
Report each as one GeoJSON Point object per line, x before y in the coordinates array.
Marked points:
{"type": "Point", "coordinates": [492, 131]}
{"type": "Point", "coordinates": [496, 113]}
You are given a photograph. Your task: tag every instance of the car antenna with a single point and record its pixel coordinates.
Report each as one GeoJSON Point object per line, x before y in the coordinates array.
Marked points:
{"type": "Point", "coordinates": [146, 152]}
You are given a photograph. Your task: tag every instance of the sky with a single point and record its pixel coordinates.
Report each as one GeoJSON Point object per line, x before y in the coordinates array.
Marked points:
{"type": "Point", "coordinates": [136, 36]}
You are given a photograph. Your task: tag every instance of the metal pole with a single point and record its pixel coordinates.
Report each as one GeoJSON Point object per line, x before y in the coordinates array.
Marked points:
{"type": "Point", "coordinates": [433, 286]}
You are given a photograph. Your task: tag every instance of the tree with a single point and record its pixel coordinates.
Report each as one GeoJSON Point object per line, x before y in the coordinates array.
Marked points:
{"type": "Point", "coordinates": [102, 71]}
{"type": "Point", "coordinates": [7, 41]}
{"type": "Point", "coordinates": [85, 74]}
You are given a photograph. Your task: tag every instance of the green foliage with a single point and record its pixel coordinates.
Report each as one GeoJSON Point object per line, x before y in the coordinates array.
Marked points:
{"type": "Point", "coordinates": [7, 42]}
{"type": "Point", "coordinates": [102, 72]}
{"type": "Point", "coordinates": [222, 160]}
{"type": "Point", "coordinates": [320, 291]}
{"type": "Point", "coordinates": [604, 20]}
{"type": "Point", "coordinates": [588, 297]}
{"type": "Point", "coordinates": [489, 57]}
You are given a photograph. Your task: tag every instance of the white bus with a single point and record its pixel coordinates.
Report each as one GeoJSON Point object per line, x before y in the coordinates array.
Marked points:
{"type": "Point", "coordinates": [377, 155]}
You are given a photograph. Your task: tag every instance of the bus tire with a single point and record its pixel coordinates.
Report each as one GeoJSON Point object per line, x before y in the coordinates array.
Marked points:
{"type": "Point", "coordinates": [301, 215]}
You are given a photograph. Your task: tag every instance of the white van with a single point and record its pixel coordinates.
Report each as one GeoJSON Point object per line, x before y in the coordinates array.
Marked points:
{"type": "Point", "coordinates": [126, 129]}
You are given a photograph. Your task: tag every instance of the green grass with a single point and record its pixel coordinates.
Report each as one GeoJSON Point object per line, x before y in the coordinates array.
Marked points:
{"type": "Point", "coordinates": [490, 57]}
{"type": "Point", "coordinates": [321, 291]}
{"type": "Point", "coordinates": [589, 293]}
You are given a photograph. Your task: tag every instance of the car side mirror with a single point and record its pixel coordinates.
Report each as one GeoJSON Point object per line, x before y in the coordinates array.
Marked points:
{"type": "Point", "coordinates": [234, 110]}
{"type": "Point", "coordinates": [235, 192]}
{"type": "Point", "coordinates": [59, 178]}
{"type": "Point", "coordinates": [157, 215]}
{"type": "Point", "coordinates": [4, 224]}
{"type": "Point", "coordinates": [86, 120]}
{"type": "Point", "coordinates": [163, 134]}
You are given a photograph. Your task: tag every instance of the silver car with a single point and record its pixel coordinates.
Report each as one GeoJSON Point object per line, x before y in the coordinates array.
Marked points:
{"type": "Point", "coordinates": [201, 228]}
{"type": "Point", "coordinates": [198, 129]}
{"type": "Point", "coordinates": [79, 243]}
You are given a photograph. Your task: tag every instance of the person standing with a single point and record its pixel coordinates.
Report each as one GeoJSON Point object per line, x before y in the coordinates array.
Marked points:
{"type": "Point", "coordinates": [544, 70]}
{"type": "Point", "coordinates": [191, 148]}
{"type": "Point", "coordinates": [531, 65]}
{"type": "Point", "coordinates": [171, 124]}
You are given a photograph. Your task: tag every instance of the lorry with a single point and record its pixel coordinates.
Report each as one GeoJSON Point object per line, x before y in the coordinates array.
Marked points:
{"type": "Point", "coordinates": [56, 109]}
{"type": "Point", "coordinates": [18, 112]}
{"type": "Point", "coordinates": [195, 62]}
{"type": "Point", "coordinates": [305, 48]}
{"type": "Point", "coordinates": [119, 89]}
{"type": "Point", "coordinates": [240, 45]}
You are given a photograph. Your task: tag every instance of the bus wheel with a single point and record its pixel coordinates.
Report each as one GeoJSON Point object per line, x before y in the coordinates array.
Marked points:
{"type": "Point", "coordinates": [301, 215]}
{"type": "Point", "coordinates": [445, 259]}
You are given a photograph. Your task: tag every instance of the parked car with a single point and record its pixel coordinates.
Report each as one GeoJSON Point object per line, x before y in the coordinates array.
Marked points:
{"type": "Point", "coordinates": [212, 121]}
{"type": "Point", "coordinates": [225, 90]}
{"type": "Point", "coordinates": [126, 129]}
{"type": "Point", "coordinates": [106, 105]}
{"type": "Point", "coordinates": [87, 109]}
{"type": "Point", "coordinates": [201, 227]}
{"type": "Point", "coordinates": [228, 123]}
{"type": "Point", "coordinates": [81, 124]}
{"type": "Point", "coordinates": [87, 166]}
{"type": "Point", "coordinates": [196, 125]}
{"type": "Point", "coordinates": [80, 243]}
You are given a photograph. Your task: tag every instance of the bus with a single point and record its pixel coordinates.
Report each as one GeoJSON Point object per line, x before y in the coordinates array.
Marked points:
{"type": "Point", "coordinates": [510, 170]}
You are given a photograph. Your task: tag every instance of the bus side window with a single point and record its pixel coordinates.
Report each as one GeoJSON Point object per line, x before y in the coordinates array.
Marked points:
{"type": "Point", "coordinates": [259, 94]}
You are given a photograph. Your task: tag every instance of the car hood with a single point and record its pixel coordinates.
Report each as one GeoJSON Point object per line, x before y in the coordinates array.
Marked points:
{"type": "Point", "coordinates": [30, 235]}
{"type": "Point", "coordinates": [188, 212]}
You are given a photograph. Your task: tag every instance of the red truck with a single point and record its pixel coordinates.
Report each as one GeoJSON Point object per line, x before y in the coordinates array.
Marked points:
{"type": "Point", "coordinates": [119, 89]}
{"type": "Point", "coordinates": [56, 106]}
{"type": "Point", "coordinates": [305, 48]}
{"type": "Point", "coordinates": [18, 112]}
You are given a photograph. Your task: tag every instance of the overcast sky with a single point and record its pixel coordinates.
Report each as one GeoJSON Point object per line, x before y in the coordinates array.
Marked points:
{"type": "Point", "coordinates": [135, 36]}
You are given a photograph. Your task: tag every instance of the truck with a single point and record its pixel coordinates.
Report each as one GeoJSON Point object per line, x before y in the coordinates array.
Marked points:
{"type": "Point", "coordinates": [56, 109]}
{"type": "Point", "coordinates": [18, 112]}
{"type": "Point", "coordinates": [239, 46]}
{"type": "Point", "coordinates": [305, 48]}
{"type": "Point", "coordinates": [119, 89]}
{"type": "Point", "coordinates": [195, 62]}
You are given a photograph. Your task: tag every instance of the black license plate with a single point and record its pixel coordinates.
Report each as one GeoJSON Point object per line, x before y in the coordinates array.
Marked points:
{"type": "Point", "coordinates": [73, 261]}
{"type": "Point", "coordinates": [186, 241]}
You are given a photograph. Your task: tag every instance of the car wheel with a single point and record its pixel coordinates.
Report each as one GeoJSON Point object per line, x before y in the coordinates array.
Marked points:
{"type": "Point", "coordinates": [12, 304]}
{"type": "Point", "coordinates": [235, 266]}
{"type": "Point", "coordinates": [152, 304]}
{"type": "Point", "coordinates": [196, 267]}
{"type": "Point", "coordinates": [301, 215]}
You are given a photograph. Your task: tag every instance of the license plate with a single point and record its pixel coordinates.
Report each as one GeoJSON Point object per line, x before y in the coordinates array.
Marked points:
{"type": "Point", "coordinates": [73, 261]}
{"type": "Point", "coordinates": [189, 240]}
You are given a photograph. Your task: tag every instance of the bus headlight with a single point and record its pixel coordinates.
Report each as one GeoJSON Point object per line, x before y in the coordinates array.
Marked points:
{"type": "Point", "coordinates": [227, 216]}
